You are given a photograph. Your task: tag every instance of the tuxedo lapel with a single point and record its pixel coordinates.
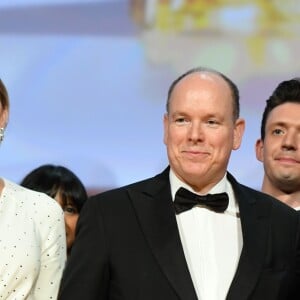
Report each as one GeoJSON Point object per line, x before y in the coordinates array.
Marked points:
{"type": "Point", "coordinates": [255, 223]}
{"type": "Point", "coordinates": [155, 212]}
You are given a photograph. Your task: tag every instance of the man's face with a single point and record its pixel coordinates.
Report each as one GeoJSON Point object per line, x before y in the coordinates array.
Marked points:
{"type": "Point", "coordinates": [199, 130]}
{"type": "Point", "coordinates": [280, 150]}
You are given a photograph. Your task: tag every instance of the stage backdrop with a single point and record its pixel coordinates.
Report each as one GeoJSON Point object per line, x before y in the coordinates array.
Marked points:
{"type": "Point", "coordinates": [88, 79]}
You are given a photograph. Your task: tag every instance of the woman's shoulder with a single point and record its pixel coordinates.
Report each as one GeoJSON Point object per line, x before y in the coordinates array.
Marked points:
{"type": "Point", "coordinates": [29, 199]}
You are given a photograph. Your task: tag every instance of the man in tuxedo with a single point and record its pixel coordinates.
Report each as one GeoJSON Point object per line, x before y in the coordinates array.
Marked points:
{"type": "Point", "coordinates": [191, 232]}
{"type": "Point", "coordinates": [279, 145]}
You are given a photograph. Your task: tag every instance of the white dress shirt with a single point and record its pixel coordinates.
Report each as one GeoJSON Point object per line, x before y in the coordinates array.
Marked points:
{"type": "Point", "coordinates": [212, 242]}
{"type": "Point", "coordinates": [32, 244]}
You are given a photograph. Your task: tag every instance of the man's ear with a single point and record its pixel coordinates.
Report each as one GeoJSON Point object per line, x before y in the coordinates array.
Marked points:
{"type": "Point", "coordinates": [259, 150]}
{"type": "Point", "coordinates": [239, 129]}
{"type": "Point", "coordinates": [166, 125]}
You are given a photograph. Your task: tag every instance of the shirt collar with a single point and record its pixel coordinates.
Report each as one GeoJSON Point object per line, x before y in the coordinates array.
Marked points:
{"type": "Point", "coordinates": [176, 183]}
{"type": "Point", "coordinates": [222, 186]}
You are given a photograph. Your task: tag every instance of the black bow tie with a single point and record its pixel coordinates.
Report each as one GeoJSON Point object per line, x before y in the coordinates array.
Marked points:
{"type": "Point", "coordinates": [185, 200]}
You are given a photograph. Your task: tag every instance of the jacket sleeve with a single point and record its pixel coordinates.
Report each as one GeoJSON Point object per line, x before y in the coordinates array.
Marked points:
{"type": "Point", "coordinates": [51, 228]}
{"type": "Point", "coordinates": [294, 291]}
{"type": "Point", "coordinates": [87, 272]}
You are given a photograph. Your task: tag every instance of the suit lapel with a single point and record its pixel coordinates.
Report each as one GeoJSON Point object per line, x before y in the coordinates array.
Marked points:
{"type": "Point", "coordinates": [155, 211]}
{"type": "Point", "coordinates": [254, 221]}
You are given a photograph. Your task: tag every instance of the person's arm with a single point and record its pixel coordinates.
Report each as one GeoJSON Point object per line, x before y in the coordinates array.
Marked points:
{"type": "Point", "coordinates": [296, 291]}
{"type": "Point", "coordinates": [87, 272]}
{"type": "Point", "coordinates": [51, 229]}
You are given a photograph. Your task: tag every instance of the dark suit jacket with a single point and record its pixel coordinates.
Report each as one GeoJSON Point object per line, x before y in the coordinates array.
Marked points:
{"type": "Point", "coordinates": [128, 247]}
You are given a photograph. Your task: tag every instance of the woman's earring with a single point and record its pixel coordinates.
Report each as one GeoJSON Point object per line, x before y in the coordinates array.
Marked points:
{"type": "Point", "coordinates": [1, 134]}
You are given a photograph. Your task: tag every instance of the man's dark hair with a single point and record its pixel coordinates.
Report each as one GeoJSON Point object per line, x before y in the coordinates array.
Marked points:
{"type": "Point", "coordinates": [233, 88]}
{"type": "Point", "coordinates": [286, 91]}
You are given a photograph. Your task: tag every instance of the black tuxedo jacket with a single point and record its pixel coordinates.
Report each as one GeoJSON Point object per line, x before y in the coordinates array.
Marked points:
{"type": "Point", "coordinates": [128, 247]}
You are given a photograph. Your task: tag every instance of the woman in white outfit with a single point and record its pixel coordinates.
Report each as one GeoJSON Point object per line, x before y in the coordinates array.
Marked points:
{"type": "Point", "coordinates": [32, 236]}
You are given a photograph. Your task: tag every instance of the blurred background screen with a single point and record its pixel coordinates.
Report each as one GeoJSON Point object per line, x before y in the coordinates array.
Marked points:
{"type": "Point", "coordinates": [88, 79]}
